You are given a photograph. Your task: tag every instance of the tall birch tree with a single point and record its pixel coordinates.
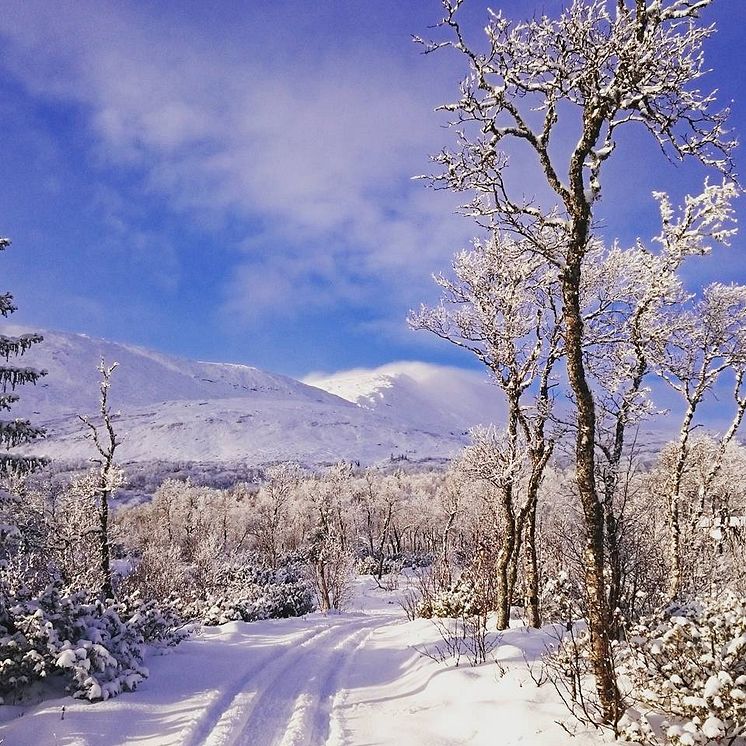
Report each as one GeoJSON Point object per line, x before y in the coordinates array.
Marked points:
{"type": "Point", "coordinates": [599, 68]}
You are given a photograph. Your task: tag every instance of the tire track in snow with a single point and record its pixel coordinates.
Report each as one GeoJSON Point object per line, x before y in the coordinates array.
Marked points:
{"type": "Point", "coordinates": [226, 699]}
{"type": "Point", "coordinates": [310, 722]}
{"type": "Point", "coordinates": [290, 700]}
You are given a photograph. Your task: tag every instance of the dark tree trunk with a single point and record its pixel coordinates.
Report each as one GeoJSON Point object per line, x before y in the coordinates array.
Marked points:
{"type": "Point", "coordinates": [593, 555]}
{"type": "Point", "coordinates": [106, 586]}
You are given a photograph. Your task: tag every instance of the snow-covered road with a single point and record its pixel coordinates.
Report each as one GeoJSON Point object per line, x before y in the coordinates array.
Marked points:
{"type": "Point", "coordinates": [289, 699]}
{"type": "Point", "coordinates": [340, 680]}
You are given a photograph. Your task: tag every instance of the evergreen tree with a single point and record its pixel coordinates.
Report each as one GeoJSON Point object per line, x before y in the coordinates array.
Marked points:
{"type": "Point", "coordinates": [17, 431]}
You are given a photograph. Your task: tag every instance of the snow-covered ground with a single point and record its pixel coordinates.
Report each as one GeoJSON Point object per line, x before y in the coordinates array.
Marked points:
{"type": "Point", "coordinates": [352, 679]}
{"type": "Point", "coordinates": [173, 409]}
{"type": "Point", "coordinates": [438, 398]}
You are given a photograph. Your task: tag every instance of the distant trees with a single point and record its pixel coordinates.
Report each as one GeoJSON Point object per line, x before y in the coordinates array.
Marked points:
{"type": "Point", "coordinates": [16, 432]}
{"type": "Point", "coordinates": [597, 69]}
{"type": "Point", "coordinates": [502, 306]}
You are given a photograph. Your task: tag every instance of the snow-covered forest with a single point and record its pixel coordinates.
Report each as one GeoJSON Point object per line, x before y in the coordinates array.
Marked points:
{"type": "Point", "coordinates": [555, 559]}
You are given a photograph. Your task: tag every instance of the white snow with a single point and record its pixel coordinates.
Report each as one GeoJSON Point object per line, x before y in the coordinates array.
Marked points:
{"type": "Point", "coordinates": [341, 680]}
{"type": "Point", "coordinates": [439, 398]}
{"type": "Point", "coordinates": [182, 410]}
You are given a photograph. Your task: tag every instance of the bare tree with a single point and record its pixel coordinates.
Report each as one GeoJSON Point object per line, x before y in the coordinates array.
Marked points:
{"type": "Point", "coordinates": [494, 459]}
{"type": "Point", "coordinates": [602, 66]}
{"type": "Point", "coordinates": [707, 340]}
{"type": "Point", "coordinates": [108, 475]}
{"type": "Point", "coordinates": [630, 297]}
{"type": "Point", "coordinates": [272, 508]}
{"type": "Point", "coordinates": [502, 306]}
{"type": "Point", "coordinates": [328, 551]}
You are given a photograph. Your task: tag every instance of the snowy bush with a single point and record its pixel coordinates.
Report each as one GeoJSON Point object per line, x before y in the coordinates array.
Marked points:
{"type": "Point", "coordinates": [391, 564]}
{"type": "Point", "coordinates": [249, 592]}
{"type": "Point", "coordinates": [160, 624]}
{"type": "Point", "coordinates": [687, 670]}
{"type": "Point", "coordinates": [560, 599]}
{"type": "Point", "coordinates": [62, 632]}
{"type": "Point", "coordinates": [96, 647]}
{"type": "Point", "coordinates": [459, 600]}
{"type": "Point", "coordinates": [371, 565]}
{"type": "Point", "coordinates": [416, 559]}
{"type": "Point", "coordinates": [472, 594]}
{"type": "Point", "coordinates": [460, 612]}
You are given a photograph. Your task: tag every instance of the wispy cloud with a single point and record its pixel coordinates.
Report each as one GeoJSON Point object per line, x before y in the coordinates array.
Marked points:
{"type": "Point", "coordinates": [313, 153]}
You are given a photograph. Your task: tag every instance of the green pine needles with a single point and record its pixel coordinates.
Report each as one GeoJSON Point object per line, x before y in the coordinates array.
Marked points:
{"type": "Point", "coordinates": [15, 432]}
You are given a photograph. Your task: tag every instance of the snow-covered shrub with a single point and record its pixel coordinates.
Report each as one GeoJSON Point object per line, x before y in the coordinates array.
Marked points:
{"type": "Point", "coordinates": [459, 610]}
{"type": "Point", "coordinates": [416, 559]}
{"type": "Point", "coordinates": [249, 592]}
{"type": "Point", "coordinates": [393, 564]}
{"type": "Point", "coordinates": [471, 594]}
{"type": "Point", "coordinates": [160, 624]}
{"type": "Point", "coordinates": [687, 671]}
{"type": "Point", "coordinates": [461, 599]}
{"type": "Point", "coordinates": [372, 565]}
{"type": "Point", "coordinates": [57, 631]}
{"type": "Point", "coordinates": [96, 647]}
{"type": "Point", "coordinates": [366, 565]}
{"type": "Point", "coordinates": [560, 599]}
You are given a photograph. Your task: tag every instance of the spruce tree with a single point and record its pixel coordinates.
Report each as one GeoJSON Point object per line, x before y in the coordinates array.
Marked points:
{"type": "Point", "coordinates": [15, 432]}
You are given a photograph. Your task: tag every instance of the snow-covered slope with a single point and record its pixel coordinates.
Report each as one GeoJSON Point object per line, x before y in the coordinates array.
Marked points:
{"type": "Point", "coordinates": [254, 429]}
{"type": "Point", "coordinates": [438, 398]}
{"type": "Point", "coordinates": [344, 679]}
{"type": "Point", "coordinates": [182, 410]}
{"type": "Point", "coordinates": [145, 377]}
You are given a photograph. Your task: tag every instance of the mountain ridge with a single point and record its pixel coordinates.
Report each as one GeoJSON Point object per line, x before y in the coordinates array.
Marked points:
{"type": "Point", "coordinates": [171, 408]}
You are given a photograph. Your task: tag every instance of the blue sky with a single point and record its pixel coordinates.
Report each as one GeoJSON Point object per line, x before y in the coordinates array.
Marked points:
{"type": "Point", "coordinates": [232, 180]}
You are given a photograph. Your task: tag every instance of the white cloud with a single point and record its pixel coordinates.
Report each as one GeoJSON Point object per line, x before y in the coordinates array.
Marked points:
{"type": "Point", "coordinates": [319, 149]}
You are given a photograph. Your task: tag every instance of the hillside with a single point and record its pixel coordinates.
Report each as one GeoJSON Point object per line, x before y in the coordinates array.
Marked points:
{"type": "Point", "coordinates": [432, 397]}
{"type": "Point", "coordinates": [175, 409]}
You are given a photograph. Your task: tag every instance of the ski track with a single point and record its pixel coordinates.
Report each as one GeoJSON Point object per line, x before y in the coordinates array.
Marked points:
{"type": "Point", "coordinates": [288, 699]}
{"type": "Point", "coordinates": [225, 699]}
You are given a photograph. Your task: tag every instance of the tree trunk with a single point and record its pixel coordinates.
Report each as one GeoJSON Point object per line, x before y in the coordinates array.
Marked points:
{"type": "Point", "coordinates": [593, 555]}
{"type": "Point", "coordinates": [504, 557]}
{"type": "Point", "coordinates": [326, 603]}
{"type": "Point", "coordinates": [532, 570]}
{"type": "Point", "coordinates": [674, 497]}
{"type": "Point", "coordinates": [503, 584]}
{"type": "Point", "coordinates": [382, 542]}
{"type": "Point", "coordinates": [517, 550]}
{"type": "Point", "coordinates": [107, 590]}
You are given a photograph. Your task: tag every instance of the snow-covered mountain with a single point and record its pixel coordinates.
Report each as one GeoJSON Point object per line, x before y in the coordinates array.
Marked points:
{"type": "Point", "coordinates": [144, 377]}
{"type": "Point", "coordinates": [432, 397]}
{"type": "Point", "coordinates": [182, 410]}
